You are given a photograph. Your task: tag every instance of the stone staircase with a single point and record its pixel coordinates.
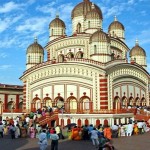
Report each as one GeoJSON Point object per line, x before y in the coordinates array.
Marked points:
{"type": "Point", "coordinates": [48, 118]}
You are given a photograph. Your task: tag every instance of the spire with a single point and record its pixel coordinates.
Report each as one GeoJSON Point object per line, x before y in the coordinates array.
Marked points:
{"type": "Point", "coordinates": [57, 15]}
{"type": "Point", "coordinates": [93, 6]}
{"type": "Point", "coordinates": [35, 39]}
{"type": "Point", "coordinates": [115, 18]}
{"type": "Point", "coordinates": [137, 42]}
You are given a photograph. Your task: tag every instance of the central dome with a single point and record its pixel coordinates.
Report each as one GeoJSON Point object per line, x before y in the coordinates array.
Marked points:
{"type": "Point", "coordinates": [83, 8]}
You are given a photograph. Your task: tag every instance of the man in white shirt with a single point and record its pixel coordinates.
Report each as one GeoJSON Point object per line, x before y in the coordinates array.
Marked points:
{"type": "Point", "coordinates": [114, 130]}
{"type": "Point", "coordinates": [43, 140]}
{"type": "Point", "coordinates": [54, 143]}
{"type": "Point", "coordinates": [140, 126]}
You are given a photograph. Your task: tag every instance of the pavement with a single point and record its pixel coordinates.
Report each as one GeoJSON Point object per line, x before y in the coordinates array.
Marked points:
{"type": "Point", "coordinates": [136, 142]}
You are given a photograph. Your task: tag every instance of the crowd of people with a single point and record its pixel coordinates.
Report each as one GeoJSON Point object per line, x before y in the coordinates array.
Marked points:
{"type": "Point", "coordinates": [101, 136]}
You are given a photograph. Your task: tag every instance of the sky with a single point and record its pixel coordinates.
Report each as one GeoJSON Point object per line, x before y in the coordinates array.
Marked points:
{"type": "Point", "coordinates": [22, 20]}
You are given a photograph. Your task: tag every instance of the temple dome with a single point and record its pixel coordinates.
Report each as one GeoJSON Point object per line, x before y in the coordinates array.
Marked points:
{"type": "Point", "coordinates": [116, 25]}
{"type": "Point", "coordinates": [83, 8]}
{"type": "Point", "coordinates": [35, 48]}
{"type": "Point", "coordinates": [137, 50]}
{"type": "Point", "coordinates": [57, 23]}
{"type": "Point", "coordinates": [99, 36]}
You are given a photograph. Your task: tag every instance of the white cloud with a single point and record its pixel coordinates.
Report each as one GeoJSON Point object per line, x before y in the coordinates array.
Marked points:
{"type": "Point", "coordinates": [5, 67]}
{"type": "Point", "coordinates": [10, 6]}
{"type": "Point", "coordinates": [34, 24]}
{"type": "Point", "coordinates": [3, 55]}
{"type": "Point", "coordinates": [130, 2]}
{"type": "Point", "coordinates": [47, 8]}
{"type": "Point", "coordinates": [8, 21]}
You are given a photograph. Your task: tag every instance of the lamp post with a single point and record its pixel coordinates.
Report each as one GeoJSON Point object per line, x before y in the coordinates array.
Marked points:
{"type": "Point", "coordinates": [60, 106]}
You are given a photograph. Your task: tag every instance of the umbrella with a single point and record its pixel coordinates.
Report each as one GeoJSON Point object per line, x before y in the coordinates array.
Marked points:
{"type": "Point", "coordinates": [71, 125]}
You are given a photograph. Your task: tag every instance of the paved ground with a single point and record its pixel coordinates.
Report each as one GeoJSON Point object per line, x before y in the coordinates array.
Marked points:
{"type": "Point", "coordinates": [140, 142]}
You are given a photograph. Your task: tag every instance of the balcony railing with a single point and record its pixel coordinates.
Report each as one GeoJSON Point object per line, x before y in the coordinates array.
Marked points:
{"type": "Point", "coordinates": [12, 111]}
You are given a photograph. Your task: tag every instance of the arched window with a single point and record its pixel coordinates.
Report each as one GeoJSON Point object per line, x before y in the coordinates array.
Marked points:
{"type": "Point", "coordinates": [52, 32]}
{"type": "Point", "coordinates": [78, 28]}
{"type": "Point", "coordinates": [28, 59]}
{"type": "Point", "coordinates": [60, 58]}
{"type": "Point", "coordinates": [86, 104]}
{"type": "Point", "coordinates": [88, 24]}
{"type": "Point", "coordinates": [79, 54]}
{"type": "Point", "coordinates": [70, 55]}
{"type": "Point", "coordinates": [73, 105]}
{"type": "Point", "coordinates": [40, 59]}
{"type": "Point", "coordinates": [95, 49]}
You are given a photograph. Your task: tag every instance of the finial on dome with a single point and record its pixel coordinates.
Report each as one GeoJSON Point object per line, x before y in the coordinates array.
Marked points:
{"type": "Point", "coordinates": [35, 39]}
{"type": "Point", "coordinates": [57, 15]}
{"type": "Point", "coordinates": [115, 18]}
{"type": "Point", "coordinates": [93, 6]}
{"type": "Point", "coordinates": [136, 42]}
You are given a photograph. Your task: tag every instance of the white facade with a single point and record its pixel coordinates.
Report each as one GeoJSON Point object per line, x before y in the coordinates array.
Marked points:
{"type": "Point", "coordinates": [89, 76]}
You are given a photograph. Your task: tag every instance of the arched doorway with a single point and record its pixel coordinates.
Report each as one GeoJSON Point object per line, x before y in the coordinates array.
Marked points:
{"type": "Point", "coordinates": [47, 101]}
{"type": "Point", "coordinates": [137, 101]}
{"type": "Point", "coordinates": [85, 104]}
{"type": "Point", "coordinates": [36, 103]}
{"type": "Point", "coordinates": [131, 101]}
{"type": "Point", "coordinates": [124, 102]}
{"type": "Point", "coordinates": [143, 102]}
{"type": "Point", "coordinates": [21, 105]}
{"type": "Point", "coordinates": [117, 104]}
{"type": "Point", "coordinates": [72, 105]}
{"type": "Point", "coordinates": [11, 105]}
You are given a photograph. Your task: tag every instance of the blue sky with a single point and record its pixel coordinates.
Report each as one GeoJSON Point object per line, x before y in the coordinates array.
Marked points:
{"type": "Point", "coordinates": [22, 20]}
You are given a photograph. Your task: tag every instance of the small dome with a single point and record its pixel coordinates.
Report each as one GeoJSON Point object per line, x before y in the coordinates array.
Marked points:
{"type": "Point", "coordinates": [116, 25]}
{"type": "Point", "coordinates": [82, 8]}
{"type": "Point", "coordinates": [93, 14]}
{"type": "Point", "coordinates": [137, 50]}
{"type": "Point", "coordinates": [35, 48]}
{"type": "Point", "coordinates": [57, 23]}
{"type": "Point", "coordinates": [99, 36]}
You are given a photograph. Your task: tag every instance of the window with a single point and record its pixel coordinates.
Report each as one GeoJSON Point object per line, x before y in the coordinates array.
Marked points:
{"type": "Point", "coordinates": [95, 49]}
{"type": "Point", "coordinates": [28, 59]}
{"type": "Point", "coordinates": [61, 58]}
{"type": "Point", "coordinates": [52, 32]}
{"type": "Point", "coordinates": [73, 104]}
{"type": "Point", "coordinates": [88, 24]}
{"type": "Point", "coordinates": [78, 28]}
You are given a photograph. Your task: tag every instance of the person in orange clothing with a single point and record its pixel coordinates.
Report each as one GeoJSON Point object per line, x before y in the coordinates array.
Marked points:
{"type": "Point", "coordinates": [107, 132]}
{"type": "Point", "coordinates": [136, 130]}
{"type": "Point", "coordinates": [75, 133]}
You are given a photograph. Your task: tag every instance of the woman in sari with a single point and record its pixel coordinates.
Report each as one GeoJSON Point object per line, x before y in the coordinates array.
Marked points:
{"type": "Point", "coordinates": [32, 131]}
{"type": "Point", "coordinates": [135, 128]}
{"type": "Point", "coordinates": [17, 132]}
